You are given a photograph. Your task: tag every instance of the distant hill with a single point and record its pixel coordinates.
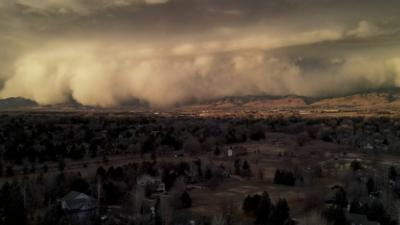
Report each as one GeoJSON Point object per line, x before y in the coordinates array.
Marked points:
{"type": "Point", "coordinates": [376, 98]}
{"type": "Point", "coordinates": [250, 102]}
{"type": "Point", "coordinates": [358, 100]}
{"type": "Point", "coordinates": [16, 103]}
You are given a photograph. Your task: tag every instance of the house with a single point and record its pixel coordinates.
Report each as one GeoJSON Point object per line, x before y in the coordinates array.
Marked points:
{"type": "Point", "coordinates": [237, 151]}
{"type": "Point", "coordinates": [79, 204]}
{"type": "Point", "coordinates": [155, 183]}
{"type": "Point", "coordinates": [230, 152]}
{"type": "Point", "coordinates": [358, 219]}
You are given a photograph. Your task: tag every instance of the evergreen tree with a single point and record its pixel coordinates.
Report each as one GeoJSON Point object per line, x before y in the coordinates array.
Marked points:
{"type": "Point", "coordinates": [101, 173]}
{"type": "Point", "coordinates": [251, 203]}
{"type": "Point", "coordinates": [45, 168]}
{"type": "Point", "coordinates": [80, 185]}
{"type": "Point", "coordinates": [1, 168]}
{"type": "Point", "coordinates": [335, 215]}
{"type": "Point", "coordinates": [61, 165]}
{"type": "Point", "coordinates": [53, 215]}
{"type": "Point", "coordinates": [237, 166]}
{"type": "Point", "coordinates": [278, 177]}
{"type": "Point", "coordinates": [357, 208]}
{"type": "Point", "coordinates": [284, 177]}
{"type": "Point", "coordinates": [246, 171]}
{"type": "Point", "coordinates": [288, 178]}
{"type": "Point", "coordinates": [217, 151]}
{"type": "Point", "coordinates": [340, 198]}
{"type": "Point", "coordinates": [12, 205]}
{"type": "Point", "coordinates": [208, 174]}
{"type": "Point", "coordinates": [280, 213]}
{"type": "Point", "coordinates": [247, 206]}
{"type": "Point", "coordinates": [356, 165]}
{"type": "Point", "coordinates": [9, 171]}
{"type": "Point", "coordinates": [370, 185]}
{"type": "Point", "coordinates": [186, 200]}
{"type": "Point", "coordinates": [392, 173]}
{"type": "Point", "coordinates": [264, 209]}
{"type": "Point", "coordinates": [377, 212]}
{"type": "Point", "coordinates": [198, 166]}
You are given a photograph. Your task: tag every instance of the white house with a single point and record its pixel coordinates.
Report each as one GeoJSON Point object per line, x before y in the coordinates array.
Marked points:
{"type": "Point", "coordinates": [230, 152]}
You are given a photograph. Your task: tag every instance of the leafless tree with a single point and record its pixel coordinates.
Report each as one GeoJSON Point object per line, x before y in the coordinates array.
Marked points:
{"type": "Point", "coordinates": [260, 173]}
{"type": "Point", "coordinates": [218, 220]}
{"type": "Point", "coordinates": [313, 199]}
{"type": "Point", "coordinates": [228, 210]}
{"type": "Point", "coordinates": [138, 199]}
{"type": "Point", "coordinates": [166, 209]}
{"type": "Point", "coordinates": [356, 190]}
{"type": "Point", "coordinates": [314, 218]}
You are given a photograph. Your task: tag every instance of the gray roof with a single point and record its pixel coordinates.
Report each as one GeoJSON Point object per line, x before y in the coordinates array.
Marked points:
{"type": "Point", "coordinates": [77, 201]}
{"type": "Point", "coordinates": [358, 219]}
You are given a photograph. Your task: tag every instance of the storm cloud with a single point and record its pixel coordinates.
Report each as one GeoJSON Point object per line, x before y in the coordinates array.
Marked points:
{"type": "Point", "coordinates": [167, 52]}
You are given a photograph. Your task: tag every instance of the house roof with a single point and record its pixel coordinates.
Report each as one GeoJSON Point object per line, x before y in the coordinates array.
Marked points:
{"type": "Point", "coordinates": [148, 179]}
{"type": "Point", "coordinates": [358, 219]}
{"type": "Point", "coordinates": [77, 201]}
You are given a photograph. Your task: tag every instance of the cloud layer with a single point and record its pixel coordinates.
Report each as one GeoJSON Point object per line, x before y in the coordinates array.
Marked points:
{"type": "Point", "coordinates": [103, 53]}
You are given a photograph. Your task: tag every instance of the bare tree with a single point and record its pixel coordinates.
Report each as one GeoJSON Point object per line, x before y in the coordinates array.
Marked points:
{"type": "Point", "coordinates": [356, 190]}
{"type": "Point", "coordinates": [218, 220]}
{"type": "Point", "coordinates": [228, 210]}
{"type": "Point", "coordinates": [314, 218]}
{"type": "Point", "coordinates": [138, 199]}
{"type": "Point", "coordinates": [176, 193]}
{"type": "Point", "coordinates": [397, 210]}
{"type": "Point", "coordinates": [314, 199]}
{"type": "Point", "coordinates": [260, 173]}
{"type": "Point", "coordinates": [166, 209]}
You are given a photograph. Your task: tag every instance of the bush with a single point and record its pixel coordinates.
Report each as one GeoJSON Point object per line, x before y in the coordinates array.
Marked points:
{"type": "Point", "coordinates": [264, 209]}
{"type": "Point", "coordinates": [9, 171]}
{"type": "Point", "coordinates": [336, 216]}
{"type": "Point", "coordinates": [45, 168]}
{"type": "Point", "coordinates": [284, 177]}
{"type": "Point", "coordinates": [356, 165]}
{"type": "Point", "coordinates": [186, 200]}
{"type": "Point", "coordinates": [280, 213]}
{"type": "Point", "coordinates": [246, 171]}
{"type": "Point", "coordinates": [61, 165]}
{"type": "Point", "coordinates": [265, 212]}
{"type": "Point", "coordinates": [251, 203]}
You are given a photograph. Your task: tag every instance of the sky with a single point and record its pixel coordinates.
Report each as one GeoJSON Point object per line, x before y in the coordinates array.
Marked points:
{"type": "Point", "coordinates": [168, 52]}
